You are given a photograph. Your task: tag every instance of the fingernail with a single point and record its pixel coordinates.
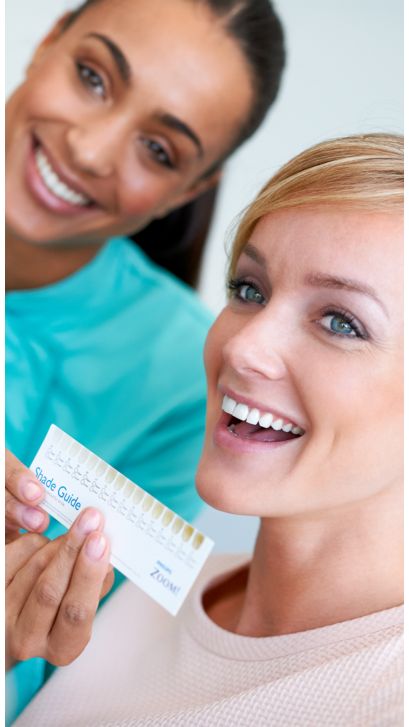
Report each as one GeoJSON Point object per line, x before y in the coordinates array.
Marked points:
{"type": "Point", "coordinates": [32, 490]}
{"type": "Point", "coordinates": [95, 546]}
{"type": "Point", "coordinates": [89, 521]}
{"type": "Point", "coordinates": [33, 519]}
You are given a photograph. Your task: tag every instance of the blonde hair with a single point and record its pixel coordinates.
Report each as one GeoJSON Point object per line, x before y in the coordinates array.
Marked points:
{"type": "Point", "coordinates": [363, 172]}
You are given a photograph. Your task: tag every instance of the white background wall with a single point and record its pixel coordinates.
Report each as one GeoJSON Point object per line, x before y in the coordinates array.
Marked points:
{"type": "Point", "coordinates": [344, 75]}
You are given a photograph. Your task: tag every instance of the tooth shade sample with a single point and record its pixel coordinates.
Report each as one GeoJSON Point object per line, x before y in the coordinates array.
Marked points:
{"type": "Point", "coordinates": [187, 532]}
{"type": "Point", "coordinates": [228, 405]}
{"type": "Point", "coordinates": [265, 420]}
{"type": "Point", "coordinates": [241, 411]}
{"type": "Point", "coordinates": [277, 424]}
{"type": "Point", "coordinates": [198, 540]}
{"type": "Point", "coordinates": [167, 518]}
{"type": "Point", "coordinates": [253, 416]}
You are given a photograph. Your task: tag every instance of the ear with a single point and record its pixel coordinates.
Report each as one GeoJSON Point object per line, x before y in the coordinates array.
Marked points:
{"type": "Point", "coordinates": [49, 39]}
{"type": "Point", "coordinates": [197, 188]}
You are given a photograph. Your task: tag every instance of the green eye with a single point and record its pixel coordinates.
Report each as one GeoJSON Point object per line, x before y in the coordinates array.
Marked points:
{"type": "Point", "coordinates": [250, 293]}
{"type": "Point", "coordinates": [245, 291]}
{"type": "Point", "coordinates": [341, 324]}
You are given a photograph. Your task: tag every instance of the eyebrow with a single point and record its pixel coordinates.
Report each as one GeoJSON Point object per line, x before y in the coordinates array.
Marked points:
{"type": "Point", "coordinates": [124, 69]}
{"type": "Point", "coordinates": [172, 122]}
{"type": "Point", "coordinates": [125, 72]}
{"type": "Point", "coordinates": [321, 280]}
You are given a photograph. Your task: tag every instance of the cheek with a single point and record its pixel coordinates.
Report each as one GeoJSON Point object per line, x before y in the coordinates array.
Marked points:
{"type": "Point", "coordinates": [356, 411]}
{"type": "Point", "coordinates": [213, 360]}
{"type": "Point", "coordinates": [143, 189]}
{"type": "Point", "coordinates": [213, 350]}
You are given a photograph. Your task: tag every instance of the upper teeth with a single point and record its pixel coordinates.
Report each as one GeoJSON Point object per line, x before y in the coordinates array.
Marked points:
{"type": "Point", "coordinates": [54, 183]}
{"type": "Point", "coordinates": [254, 416]}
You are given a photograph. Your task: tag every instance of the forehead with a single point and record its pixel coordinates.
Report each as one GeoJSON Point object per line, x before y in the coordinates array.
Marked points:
{"type": "Point", "coordinates": [334, 241]}
{"type": "Point", "coordinates": [181, 54]}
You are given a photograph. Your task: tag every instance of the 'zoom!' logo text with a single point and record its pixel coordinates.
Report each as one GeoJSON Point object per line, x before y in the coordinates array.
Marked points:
{"type": "Point", "coordinates": [164, 581]}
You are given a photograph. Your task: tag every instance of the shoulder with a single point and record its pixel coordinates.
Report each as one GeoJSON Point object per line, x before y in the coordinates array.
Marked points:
{"type": "Point", "coordinates": [139, 273]}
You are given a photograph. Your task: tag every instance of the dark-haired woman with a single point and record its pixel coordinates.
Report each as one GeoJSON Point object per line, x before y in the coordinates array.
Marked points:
{"type": "Point", "coordinates": [127, 111]}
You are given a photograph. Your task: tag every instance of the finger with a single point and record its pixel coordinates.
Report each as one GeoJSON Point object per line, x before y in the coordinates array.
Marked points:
{"type": "Point", "coordinates": [18, 646]}
{"type": "Point", "coordinates": [42, 604]}
{"type": "Point", "coordinates": [20, 551]}
{"type": "Point", "coordinates": [108, 582]}
{"type": "Point", "coordinates": [73, 625]}
{"type": "Point", "coordinates": [19, 515]}
{"type": "Point", "coordinates": [21, 482]}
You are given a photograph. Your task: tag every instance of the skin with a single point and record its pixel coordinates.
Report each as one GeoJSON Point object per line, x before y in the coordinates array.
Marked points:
{"type": "Point", "coordinates": [104, 132]}
{"type": "Point", "coordinates": [330, 501]}
{"type": "Point", "coordinates": [53, 589]}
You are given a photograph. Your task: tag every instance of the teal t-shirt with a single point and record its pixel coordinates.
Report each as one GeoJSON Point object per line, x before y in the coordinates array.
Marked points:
{"type": "Point", "coordinates": [112, 355]}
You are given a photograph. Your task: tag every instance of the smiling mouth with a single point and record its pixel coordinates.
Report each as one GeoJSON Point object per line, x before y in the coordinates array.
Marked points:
{"type": "Point", "coordinates": [55, 184]}
{"type": "Point", "coordinates": [250, 423]}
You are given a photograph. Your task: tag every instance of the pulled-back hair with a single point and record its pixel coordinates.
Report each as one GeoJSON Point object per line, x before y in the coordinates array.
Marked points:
{"type": "Point", "coordinates": [364, 172]}
{"type": "Point", "coordinates": [257, 30]}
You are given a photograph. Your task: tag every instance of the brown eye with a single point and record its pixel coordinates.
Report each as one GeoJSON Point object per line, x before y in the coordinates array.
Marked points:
{"type": "Point", "coordinates": [158, 153]}
{"type": "Point", "coordinates": [91, 79]}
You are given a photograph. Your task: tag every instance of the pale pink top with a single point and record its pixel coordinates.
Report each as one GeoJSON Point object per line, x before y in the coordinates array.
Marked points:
{"type": "Point", "coordinates": [145, 667]}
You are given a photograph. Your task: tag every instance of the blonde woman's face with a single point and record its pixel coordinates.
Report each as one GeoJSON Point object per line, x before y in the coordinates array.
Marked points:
{"type": "Point", "coordinates": [312, 336]}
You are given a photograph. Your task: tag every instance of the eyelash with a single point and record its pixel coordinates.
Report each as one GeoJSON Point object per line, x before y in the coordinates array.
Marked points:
{"type": "Point", "coordinates": [235, 285]}
{"type": "Point", "coordinates": [91, 80]}
{"type": "Point", "coordinates": [87, 75]}
{"type": "Point", "coordinates": [158, 153]}
{"type": "Point", "coordinates": [356, 326]}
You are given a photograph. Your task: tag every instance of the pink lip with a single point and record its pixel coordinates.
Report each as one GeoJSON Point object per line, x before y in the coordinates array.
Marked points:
{"type": "Point", "coordinates": [225, 439]}
{"type": "Point", "coordinates": [45, 197]}
{"type": "Point", "coordinates": [261, 407]}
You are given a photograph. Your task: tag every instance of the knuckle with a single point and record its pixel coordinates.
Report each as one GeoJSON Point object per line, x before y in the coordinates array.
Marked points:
{"type": "Point", "coordinates": [9, 506]}
{"type": "Point", "coordinates": [46, 594]}
{"type": "Point", "coordinates": [75, 613]}
{"type": "Point", "coordinates": [69, 548]}
{"type": "Point", "coordinates": [12, 475]}
{"type": "Point", "coordinates": [36, 540]}
{"type": "Point", "coordinates": [22, 649]}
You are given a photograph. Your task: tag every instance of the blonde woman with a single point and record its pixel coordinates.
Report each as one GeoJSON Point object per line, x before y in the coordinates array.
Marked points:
{"type": "Point", "coordinates": [304, 429]}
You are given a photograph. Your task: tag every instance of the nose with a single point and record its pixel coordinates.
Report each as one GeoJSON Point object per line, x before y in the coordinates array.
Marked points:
{"type": "Point", "coordinates": [256, 350]}
{"type": "Point", "coordinates": [93, 148]}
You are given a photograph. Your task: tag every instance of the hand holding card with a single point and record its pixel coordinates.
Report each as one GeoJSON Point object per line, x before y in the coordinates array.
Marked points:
{"type": "Point", "coordinates": [150, 544]}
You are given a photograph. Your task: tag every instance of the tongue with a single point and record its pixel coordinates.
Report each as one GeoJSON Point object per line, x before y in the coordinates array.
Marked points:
{"type": "Point", "coordinates": [261, 434]}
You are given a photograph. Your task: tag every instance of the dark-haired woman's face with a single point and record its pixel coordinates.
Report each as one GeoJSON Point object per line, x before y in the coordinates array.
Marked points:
{"type": "Point", "coordinates": [118, 119]}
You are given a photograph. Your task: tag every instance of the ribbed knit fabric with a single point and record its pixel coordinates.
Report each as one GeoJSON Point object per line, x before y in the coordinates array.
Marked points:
{"type": "Point", "coordinates": [144, 667]}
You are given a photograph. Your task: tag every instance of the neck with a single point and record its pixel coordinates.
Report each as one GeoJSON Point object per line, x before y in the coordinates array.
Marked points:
{"type": "Point", "coordinates": [33, 266]}
{"type": "Point", "coordinates": [312, 572]}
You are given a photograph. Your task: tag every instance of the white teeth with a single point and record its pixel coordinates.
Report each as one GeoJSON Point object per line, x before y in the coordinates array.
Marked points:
{"type": "Point", "coordinates": [55, 184]}
{"type": "Point", "coordinates": [241, 411]}
{"type": "Point", "coordinates": [228, 405]}
{"type": "Point", "coordinates": [253, 416]}
{"type": "Point", "coordinates": [266, 420]}
{"type": "Point", "coordinates": [277, 424]}
{"type": "Point", "coordinates": [287, 427]}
